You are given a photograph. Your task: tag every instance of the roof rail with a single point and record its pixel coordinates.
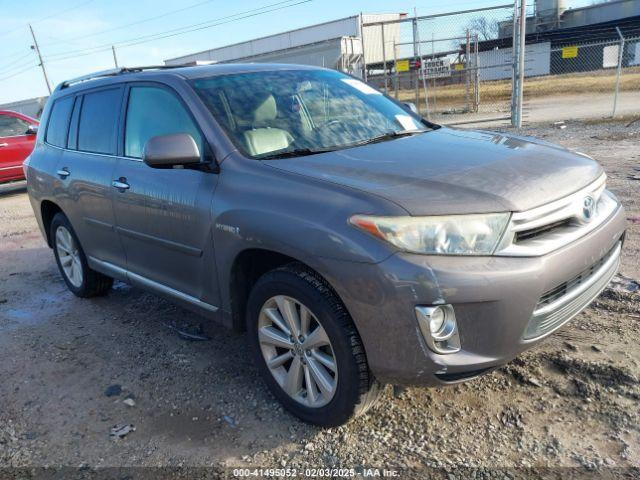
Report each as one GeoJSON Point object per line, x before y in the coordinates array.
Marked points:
{"type": "Point", "coordinates": [114, 72]}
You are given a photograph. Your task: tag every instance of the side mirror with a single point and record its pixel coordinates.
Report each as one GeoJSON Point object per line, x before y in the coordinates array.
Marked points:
{"type": "Point", "coordinates": [32, 129]}
{"type": "Point", "coordinates": [166, 151]}
{"type": "Point", "coordinates": [412, 106]}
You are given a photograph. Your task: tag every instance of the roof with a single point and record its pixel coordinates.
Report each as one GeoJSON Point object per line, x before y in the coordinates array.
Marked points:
{"type": "Point", "coordinates": [190, 72]}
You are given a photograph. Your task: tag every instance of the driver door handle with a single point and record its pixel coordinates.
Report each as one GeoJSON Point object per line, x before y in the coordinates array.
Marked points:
{"type": "Point", "coordinates": [4, 144]}
{"type": "Point", "coordinates": [63, 173]}
{"type": "Point", "coordinates": [120, 184]}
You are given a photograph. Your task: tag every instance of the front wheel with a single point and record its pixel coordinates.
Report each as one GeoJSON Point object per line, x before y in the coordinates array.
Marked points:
{"type": "Point", "coordinates": [72, 262]}
{"type": "Point", "coordinates": [307, 347]}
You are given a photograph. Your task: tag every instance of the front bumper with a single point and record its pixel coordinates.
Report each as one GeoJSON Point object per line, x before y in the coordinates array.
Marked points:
{"type": "Point", "coordinates": [493, 297]}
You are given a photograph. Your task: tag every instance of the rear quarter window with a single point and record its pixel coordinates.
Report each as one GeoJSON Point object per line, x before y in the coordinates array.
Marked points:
{"type": "Point", "coordinates": [99, 121]}
{"type": "Point", "coordinates": [58, 125]}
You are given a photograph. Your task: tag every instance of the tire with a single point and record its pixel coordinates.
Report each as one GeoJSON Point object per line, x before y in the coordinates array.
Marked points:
{"type": "Point", "coordinates": [83, 281]}
{"type": "Point", "coordinates": [355, 389]}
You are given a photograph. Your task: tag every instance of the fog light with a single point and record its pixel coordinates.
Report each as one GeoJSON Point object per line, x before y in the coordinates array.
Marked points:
{"type": "Point", "coordinates": [439, 328]}
{"type": "Point", "coordinates": [436, 320]}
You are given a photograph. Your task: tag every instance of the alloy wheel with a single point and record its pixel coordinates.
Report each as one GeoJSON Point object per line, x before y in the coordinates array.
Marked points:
{"type": "Point", "coordinates": [297, 351]}
{"type": "Point", "coordinates": [69, 256]}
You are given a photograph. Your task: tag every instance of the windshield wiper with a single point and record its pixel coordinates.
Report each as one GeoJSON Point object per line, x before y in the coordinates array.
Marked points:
{"type": "Point", "coordinates": [298, 152]}
{"type": "Point", "coordinates": [390, 135]}
{"type": "Point", "coordinates": [302, 152]}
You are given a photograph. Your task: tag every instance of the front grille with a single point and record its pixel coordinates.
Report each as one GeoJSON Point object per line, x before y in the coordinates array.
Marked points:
{"type": "Point", "coordinates": [560, 304]}
{"type": "Point", "coordinates": [549, 227]}
{"type": "Point", "coordinates": [561, 290]}
{"type": "Point", "coordinates": [544, 229]}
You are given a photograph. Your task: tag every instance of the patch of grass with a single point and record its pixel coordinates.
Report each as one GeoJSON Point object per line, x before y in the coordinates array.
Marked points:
{"type": "Point", "coordinates": [602, 81]}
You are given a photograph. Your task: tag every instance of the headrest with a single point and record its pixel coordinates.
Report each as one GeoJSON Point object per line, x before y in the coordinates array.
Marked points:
{"type": "Point", "coordinates": [266, 110]}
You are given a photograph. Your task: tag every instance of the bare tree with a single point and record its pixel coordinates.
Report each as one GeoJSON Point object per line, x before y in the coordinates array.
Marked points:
{"type": "Point", "coordinates": [486, 29]}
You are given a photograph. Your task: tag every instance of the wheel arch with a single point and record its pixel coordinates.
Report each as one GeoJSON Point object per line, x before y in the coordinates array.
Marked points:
{"type": "Point", "coordinates": [48, 210]}
{"type": "Point", "coordinates": [248, 266]}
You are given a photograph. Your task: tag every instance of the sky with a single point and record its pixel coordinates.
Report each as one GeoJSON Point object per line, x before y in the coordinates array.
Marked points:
{"type": "Point", "coordinates": [75, 35]}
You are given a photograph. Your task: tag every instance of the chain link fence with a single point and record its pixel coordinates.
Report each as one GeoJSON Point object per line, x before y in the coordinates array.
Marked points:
{"type": "Point", "coordinates": [458, 68]}
{"type": "Point", "coordinates": [439, 63]}
{"type": "Point", "coordinates": [587, 78]}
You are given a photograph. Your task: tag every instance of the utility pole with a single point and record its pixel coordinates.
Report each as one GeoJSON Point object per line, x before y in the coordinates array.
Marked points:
{"type": "Point", "coordinates": [115, 59]}
{"type": "Point", "coordinates": [37, 49]}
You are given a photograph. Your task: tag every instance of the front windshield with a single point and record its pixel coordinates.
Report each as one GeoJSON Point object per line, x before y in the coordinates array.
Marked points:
{"type": "Point", "coordinates": [301, 112]}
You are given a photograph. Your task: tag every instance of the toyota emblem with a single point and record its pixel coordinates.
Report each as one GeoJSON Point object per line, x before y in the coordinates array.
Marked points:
{"type": "Point", "coordinates": [588, 208]}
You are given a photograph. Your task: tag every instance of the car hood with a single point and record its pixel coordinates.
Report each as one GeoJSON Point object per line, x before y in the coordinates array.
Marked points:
{"type": "Point", "coordinates": [450, 171]}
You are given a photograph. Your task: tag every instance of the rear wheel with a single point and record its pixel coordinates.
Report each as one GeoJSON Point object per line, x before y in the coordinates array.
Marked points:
{"type": "Point", "coordinates": [307, 348]}
{"type": "Point", "coordinates": [72, 262]}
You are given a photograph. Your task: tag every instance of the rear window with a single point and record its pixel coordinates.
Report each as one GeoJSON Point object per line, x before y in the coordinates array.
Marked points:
{"type": "Point", "coordinates": [59, 122]}
{"type": "Point", "coordinates": [98, 121]}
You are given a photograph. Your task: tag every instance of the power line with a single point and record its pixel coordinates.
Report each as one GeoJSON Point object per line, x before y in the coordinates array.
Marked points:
{"type": "Point", "coordinates": [17, 73]}
{"type": "Point", "coordinates": [177, 31]}
{"type": "Point", "coordinates": [57, 14]}
{"type": "Point", "coordinates": [138, 22]}
{"type": "Point", "coordinates": [13, 64]}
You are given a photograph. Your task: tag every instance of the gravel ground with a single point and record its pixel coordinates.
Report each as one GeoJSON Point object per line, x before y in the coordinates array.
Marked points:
{"type": "Point", "coordinates": [72, 369]}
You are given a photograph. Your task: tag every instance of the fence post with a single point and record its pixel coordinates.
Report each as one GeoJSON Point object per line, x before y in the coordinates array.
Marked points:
{"type": "Point", "coordinates": [476, 64]}
{"type": "Point", "coordinates": [362, 42]}
{"type": "Point", "coordinates": [467, 65]}
{"type": "Point", "coordinates": [415, 54]}
{"type": "Point", "coordinates": [519, 85]}
{"type": "Point", "coordinates": [395, 70]}
{"type": "Point", "coordinates": [422, 70]}
{"type": "Point", "coordinates": [514, 64]}
{"type": "Point", "coordinates": [620, 56]}
{"type": "Point", "coordinates": [384, 58]}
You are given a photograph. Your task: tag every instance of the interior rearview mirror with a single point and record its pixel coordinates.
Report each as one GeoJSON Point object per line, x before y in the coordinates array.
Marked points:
{"type": "Point", "coordinates": [32, 129]}
{"type": "Point", "coordinates": [412, 106]}
{"type": "Point", "coordinates": [166, 151]}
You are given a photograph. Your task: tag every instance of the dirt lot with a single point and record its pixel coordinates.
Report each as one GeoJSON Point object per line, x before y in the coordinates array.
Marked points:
{"type": "Point", "coordinates": [571, 402]}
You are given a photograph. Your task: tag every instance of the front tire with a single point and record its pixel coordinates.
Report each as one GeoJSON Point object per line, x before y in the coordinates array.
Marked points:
{"type": "Point", "coordinates": [307, 348]}
{"type": "Point", "coordinates": [72, 262]}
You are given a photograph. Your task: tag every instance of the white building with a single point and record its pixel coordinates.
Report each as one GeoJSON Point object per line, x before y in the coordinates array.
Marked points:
{"type": "Point", "coordinates": [336, 44]}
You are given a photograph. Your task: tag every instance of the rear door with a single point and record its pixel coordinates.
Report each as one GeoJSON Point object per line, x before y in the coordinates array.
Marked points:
{"type": "Point", "coordinates": [86, 169]}
{"type": "Point", "coordinates": [15, 146]}
{"type": "Point", "coordinates": [164, 215]}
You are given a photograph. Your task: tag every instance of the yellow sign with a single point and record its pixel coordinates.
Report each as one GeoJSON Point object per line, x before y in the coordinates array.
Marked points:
{"type": "Point", "coordinates": [459, 66]}
{"type": "Point", "coordinates": [569, 52]}
{"type": "Point", "coordinates": [402, 66]}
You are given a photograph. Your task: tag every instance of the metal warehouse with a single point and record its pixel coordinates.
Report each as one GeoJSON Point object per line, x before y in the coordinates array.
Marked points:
{"type": "Point", "coordinates": [336, 44]}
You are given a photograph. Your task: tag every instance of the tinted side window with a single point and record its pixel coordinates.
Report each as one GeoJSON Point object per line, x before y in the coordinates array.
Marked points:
{"type": "Point", "coordinates": [98, 121]}
{"type": "Point", "coordinates": [155, 111]}
{"type": "Point", "coordinates": [59, 122]}
{"type": "Point", "coordinates": [12, 126]}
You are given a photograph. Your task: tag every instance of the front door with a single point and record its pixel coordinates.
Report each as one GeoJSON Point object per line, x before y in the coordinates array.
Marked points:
{"type": "Point", "coordinates": [163, 216]}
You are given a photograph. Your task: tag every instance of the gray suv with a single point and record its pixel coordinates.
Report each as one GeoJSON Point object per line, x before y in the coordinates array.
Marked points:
{"type": "Point", "coordinates": [356, 243]}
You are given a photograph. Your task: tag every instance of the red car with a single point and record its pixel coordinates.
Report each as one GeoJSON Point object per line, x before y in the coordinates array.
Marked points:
{"type": "Point", "coordinates": [17, 137]}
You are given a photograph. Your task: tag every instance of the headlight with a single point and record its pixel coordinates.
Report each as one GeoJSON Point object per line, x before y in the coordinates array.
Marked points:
{"type": "Point", "coordinates": [477, 234]}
